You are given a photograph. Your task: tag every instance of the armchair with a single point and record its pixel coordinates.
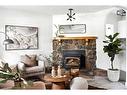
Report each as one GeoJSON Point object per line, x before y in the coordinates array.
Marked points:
{"type": "Point", "coordinates": [78, 83]}
{"type": "Point", "coordinates": [30, 66]}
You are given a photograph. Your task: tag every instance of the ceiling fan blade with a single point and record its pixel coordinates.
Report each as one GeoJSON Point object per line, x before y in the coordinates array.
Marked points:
{"type": "Point", "coordinates": [68, 18]}
{"type": "Point", "coordinates": [68, 14]}
{"type": "Point", "coordinates": [73, 14]}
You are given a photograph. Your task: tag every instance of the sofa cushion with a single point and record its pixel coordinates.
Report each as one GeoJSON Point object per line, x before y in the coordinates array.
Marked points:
{"type": "Point", "coordinates": [29, 60]}
{"type": "Point", "coordinates": [41, 63]}
{"type": "Point", "coordinates": [34, 69]}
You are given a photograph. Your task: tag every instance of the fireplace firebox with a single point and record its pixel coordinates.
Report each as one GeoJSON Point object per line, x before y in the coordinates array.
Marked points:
{"type": "Point", "coordinates": [74, 59]}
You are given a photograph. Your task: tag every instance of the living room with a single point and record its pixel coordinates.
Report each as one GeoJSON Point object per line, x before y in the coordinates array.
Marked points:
{"type": "Point", "coordinates": [92, 23]}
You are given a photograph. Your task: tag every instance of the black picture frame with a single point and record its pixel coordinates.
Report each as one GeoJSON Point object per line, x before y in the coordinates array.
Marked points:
{"type": "Point", "coordinates": [24, 37]}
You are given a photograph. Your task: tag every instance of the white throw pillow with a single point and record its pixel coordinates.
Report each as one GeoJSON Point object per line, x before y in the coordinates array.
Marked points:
{"type": "Point", "coordinates": [41, 63]}
{"type": "Point", "coordinates": [21, 66]}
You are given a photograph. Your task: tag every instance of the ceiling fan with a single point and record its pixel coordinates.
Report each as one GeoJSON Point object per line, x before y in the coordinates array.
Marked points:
{"type": "Point", "coordinates": [70, 15]}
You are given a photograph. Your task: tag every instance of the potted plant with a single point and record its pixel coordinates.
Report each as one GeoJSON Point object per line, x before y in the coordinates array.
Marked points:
{"type": "Point", "coordinates": [112, 48]}
{"type": "Point", "coordinates": [6, 73]}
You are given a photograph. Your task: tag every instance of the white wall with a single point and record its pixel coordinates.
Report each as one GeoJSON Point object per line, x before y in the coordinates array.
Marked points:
{"type": "Point", "coordinates": [122, 28]}
{"type": "Point", "coordinates": [95, 26]}
{"type": "Point", "coordinates": [22, 18]}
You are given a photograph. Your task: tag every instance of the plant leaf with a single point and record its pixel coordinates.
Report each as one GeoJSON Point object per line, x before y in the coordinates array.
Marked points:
{"type": "Point", "coordinates": [9, 69]}
{"type": "Point", "coordinates": [105, 41]}
{"type": "Point", "coordinates": [109, 37]}
{"type": "Point", "coordinates": [2, 63]}
{"type": "Point", "coordinates": [6, 75]}
{"type": "Point", "coordinates": [5, 67]}
{"type": "Point", "coordinates": [115, 35]}
{"type": "Point", "coordinates": [3, 80]}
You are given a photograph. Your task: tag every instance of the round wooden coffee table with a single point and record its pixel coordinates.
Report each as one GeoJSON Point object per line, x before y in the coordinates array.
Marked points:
{"type": "Point", "coordinates": [57, 82]}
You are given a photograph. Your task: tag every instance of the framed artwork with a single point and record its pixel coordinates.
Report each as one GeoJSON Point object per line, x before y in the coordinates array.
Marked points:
{"type": "Point", "coordinates": [24, 37]}
{"type": "Point", "coordinates": [72, 29]}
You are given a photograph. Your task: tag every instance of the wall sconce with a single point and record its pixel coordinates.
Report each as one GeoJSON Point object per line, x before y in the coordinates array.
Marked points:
{"type": "Point", "coordinates": [121, 12]}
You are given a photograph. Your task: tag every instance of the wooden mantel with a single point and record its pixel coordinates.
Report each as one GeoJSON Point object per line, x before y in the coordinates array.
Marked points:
{"type": "Point", "coordinates": [77, 38]}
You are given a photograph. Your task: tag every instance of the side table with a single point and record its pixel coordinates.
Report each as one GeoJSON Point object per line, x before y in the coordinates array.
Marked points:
{"type": "Point", "coordinates": [57, 82]}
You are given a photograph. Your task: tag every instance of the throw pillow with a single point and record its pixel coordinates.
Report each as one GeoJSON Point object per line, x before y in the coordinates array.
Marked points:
{"type": "Point", "coordinates": [29, 60]}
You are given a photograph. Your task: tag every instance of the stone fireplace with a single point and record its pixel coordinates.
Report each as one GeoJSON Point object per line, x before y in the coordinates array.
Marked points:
{"type": "Point", "coordinates": [78, 52]}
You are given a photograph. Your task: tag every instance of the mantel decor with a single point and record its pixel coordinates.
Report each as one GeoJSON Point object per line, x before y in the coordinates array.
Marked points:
{"type": "Point", "coordinates": [24, 37]}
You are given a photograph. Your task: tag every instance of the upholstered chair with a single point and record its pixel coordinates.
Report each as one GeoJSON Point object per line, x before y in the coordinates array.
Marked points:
{"type": "Point", "coordinates": [30, 66]}
{"type": "Point", "coordinates": [79, 83]}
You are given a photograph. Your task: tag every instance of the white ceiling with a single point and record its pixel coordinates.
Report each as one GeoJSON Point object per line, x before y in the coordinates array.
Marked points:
{"type": "Point", "coordinates": [52, 10]}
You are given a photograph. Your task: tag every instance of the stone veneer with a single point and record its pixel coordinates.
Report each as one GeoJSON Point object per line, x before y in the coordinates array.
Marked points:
{"type": "Point", "coordinates": [88, 44]}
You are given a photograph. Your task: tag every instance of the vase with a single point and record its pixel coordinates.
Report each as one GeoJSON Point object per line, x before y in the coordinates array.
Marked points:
{"type": "Point", "coordinates": [59, 71]}
{"type": "Point", "coordinates": [53, 72]}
